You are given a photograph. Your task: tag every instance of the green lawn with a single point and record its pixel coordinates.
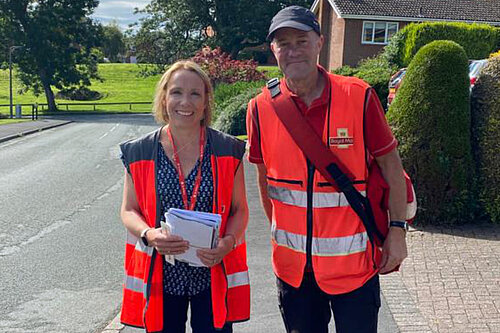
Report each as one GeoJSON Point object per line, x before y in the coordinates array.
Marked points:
{"type": "Point", "coordinates": [122, 83]}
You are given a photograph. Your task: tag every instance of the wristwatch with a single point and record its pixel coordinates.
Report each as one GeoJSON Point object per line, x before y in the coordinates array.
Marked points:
{"type": "Point", "coordinates": [399, 224]}
{"type": "Point", "coordinates": [143, 236]}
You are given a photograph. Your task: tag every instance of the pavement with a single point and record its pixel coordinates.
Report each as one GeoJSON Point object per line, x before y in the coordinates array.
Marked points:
{"type": "Point", "coordinates": [15, 130]}
{"type": "Point", "coordinates": [450, 281]}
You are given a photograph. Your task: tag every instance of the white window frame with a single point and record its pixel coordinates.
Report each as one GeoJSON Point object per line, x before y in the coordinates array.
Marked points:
{"type": "Point", "coordinates": [386, 41]}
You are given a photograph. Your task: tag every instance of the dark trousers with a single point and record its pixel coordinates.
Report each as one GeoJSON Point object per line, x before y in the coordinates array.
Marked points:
{"type": "Point", "coordinates": [175, 314]}
{"type": "Point", "coordinates": [308, 309]}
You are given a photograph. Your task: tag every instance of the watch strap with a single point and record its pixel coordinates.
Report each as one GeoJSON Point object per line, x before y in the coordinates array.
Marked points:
{"type": "Point", "coordinates": [143, 236]}
{"type": "Point", "coordinates": [399, 224]}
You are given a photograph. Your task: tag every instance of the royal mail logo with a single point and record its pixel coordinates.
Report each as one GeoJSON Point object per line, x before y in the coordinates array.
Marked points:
{"type": "Point", "coordinates": [342, 140]}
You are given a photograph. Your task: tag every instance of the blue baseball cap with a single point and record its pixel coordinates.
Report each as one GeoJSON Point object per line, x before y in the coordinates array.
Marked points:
{"type": "Point", "coordinates": [295, 17]}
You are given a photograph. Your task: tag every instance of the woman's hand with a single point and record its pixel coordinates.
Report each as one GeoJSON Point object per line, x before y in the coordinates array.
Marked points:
{"type": "Point", "coordinates": [165, 243]}
{"type": "Point", "coordinates": [212, 257]}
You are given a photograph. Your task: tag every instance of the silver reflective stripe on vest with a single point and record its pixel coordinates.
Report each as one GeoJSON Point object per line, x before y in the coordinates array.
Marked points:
{"type": "Point", "coordinates": [290, 240]}
{"type": "Point", "coordinates": [339, 246]}
{"type": "Point", "coordinates": [325, 247]}
{"type": "Point", "coordinates": [131, 239]}
{"type": "Point", "coordinates": [238, 279]}
{"type": "Point", "coordinates": [299, 198]}
{"type": "Point", "coordinates": [139, 245]}
{"type": "Point", "coordinates": [135, 284]}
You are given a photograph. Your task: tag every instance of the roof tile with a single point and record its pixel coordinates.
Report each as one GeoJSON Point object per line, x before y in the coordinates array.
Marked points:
{"type": "Point", "coordinates": [462, 10]}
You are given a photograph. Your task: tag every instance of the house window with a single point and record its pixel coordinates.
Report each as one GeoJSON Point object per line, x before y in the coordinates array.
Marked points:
{"type": "Point", "coordinates": [377, 32]}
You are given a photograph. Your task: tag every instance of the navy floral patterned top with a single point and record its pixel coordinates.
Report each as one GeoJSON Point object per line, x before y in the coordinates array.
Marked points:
{"type": "Point", "coordinates": [181, 279]}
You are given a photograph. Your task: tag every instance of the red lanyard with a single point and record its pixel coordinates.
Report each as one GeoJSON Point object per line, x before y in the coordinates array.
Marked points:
{"type": "Point", "coordinates": [182, 182]}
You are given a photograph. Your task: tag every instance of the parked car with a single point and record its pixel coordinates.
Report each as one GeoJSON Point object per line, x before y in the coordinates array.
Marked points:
{"type": "Point", "coordinates": [475, 67]}
{"type": "Point", "coordinates": [394, 84]}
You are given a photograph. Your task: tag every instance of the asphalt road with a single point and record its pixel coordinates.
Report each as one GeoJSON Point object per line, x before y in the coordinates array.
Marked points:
{"type": "Point", "coordinates": [61, 241]}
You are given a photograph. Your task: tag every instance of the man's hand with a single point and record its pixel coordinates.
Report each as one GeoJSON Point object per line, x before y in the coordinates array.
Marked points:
{"type": "Point", "coordinates": [394, 250]}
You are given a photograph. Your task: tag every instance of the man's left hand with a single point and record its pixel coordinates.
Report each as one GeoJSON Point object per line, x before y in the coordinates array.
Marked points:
{"type": "Point", "coordinates": [394, 250]}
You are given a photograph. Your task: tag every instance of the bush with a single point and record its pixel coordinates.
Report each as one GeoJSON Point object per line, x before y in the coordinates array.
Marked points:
{"type": "Point", "coordinates": [495, 54]}
{"type": "Point", "coordinates": [78, 94]}
{"type": "Point", "coordinates": [478, 40]}
{"type": "Point", "coordinates": [345, 70]}
{"type": "Point", "coordinates": [431, 119]}
{"type": "Point", "coordinates": [394, 51]}
{"type": "Point", "coordinates": [231, 119]}
{"type": "Point", "coordinates": [271, 72]}
{"type": "Point", "coordinates": [224, 92]}
{"type": "Point", "coordinates": [222, 69]}
{"type": "Point", "coordinates": [486, 136]}
{"type": "Point", "coordinates": [377, 73]}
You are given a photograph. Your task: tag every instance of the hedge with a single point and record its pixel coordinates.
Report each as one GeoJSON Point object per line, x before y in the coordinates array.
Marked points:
{"type": "Point", "coordinates": [431, 119]}
{"type": "Point", "coordinates": [225, 91]}
{"type": "Point", "coordinates": [486, 136]}
{"type": "Point", "coordinates": [478, 40]}
{"type": "Point", "coordinates": [232, 118]}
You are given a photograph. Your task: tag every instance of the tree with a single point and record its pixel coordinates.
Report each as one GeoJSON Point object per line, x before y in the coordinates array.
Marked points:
{"type": "Point", "coordinates": [175, 29]}
{"type": "Point", "coordinates": [58, 38]}
{"type": "Point", "coordinates": [113, 42]}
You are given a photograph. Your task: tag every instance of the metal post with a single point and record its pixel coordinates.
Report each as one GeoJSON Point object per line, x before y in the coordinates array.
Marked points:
{"type": "Point", "coordinates": [11, 49]}
{"type": "Point", "coordinates": [10, 81]}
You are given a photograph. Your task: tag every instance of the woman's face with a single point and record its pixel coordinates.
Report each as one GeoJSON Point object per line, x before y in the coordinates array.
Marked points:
{"type": "Point", "coordinates": [185, 99]}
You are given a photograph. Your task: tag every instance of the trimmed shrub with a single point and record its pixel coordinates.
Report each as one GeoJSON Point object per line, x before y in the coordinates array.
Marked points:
{"type": "Point", "coordinates": [486, 136]}
{"type": "Point", "coordinates": [222, 69]}
{"type": "Point", "coordinates": [78, 94]}
{"type": "Point", "coordinates": [431, 119]}
{"type": "Point", "coordinates": [478, 40]}
{"type": "Point", "coordinates": [224, 92]}
{"type": "Point", "coordinates": [231, 119]}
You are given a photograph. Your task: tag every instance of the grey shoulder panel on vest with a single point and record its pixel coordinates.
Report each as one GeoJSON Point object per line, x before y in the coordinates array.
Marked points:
{"type": "Point", "coordinates": [226, 145]}
{"type": "Point", "coordinates": [142, 148]}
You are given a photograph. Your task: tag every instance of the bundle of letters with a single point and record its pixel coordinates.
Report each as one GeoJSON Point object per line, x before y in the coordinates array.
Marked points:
{"type": "Point", "coordinates": [200, 229]}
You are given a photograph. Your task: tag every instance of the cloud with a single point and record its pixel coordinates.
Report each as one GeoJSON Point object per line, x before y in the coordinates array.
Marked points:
{"type": "Point", "coordinates": [120, 11]}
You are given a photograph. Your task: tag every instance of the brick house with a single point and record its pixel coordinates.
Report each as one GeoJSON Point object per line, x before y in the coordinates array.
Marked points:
{"type": "Point", "coordinates": [357, 29]}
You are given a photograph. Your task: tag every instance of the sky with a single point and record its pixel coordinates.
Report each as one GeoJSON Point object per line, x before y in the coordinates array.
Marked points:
{"type": "Point", "coordinates": [120, 11]}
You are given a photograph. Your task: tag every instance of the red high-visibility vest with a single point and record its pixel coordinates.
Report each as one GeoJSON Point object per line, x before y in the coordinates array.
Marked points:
{"type": "Point", "coordinates": [309, 215]}
{"type": "Point", "coordinates": [143, 286]}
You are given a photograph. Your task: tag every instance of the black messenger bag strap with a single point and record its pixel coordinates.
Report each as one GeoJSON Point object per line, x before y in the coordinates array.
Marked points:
{"type": "Point", "coordinates": [323, 159]}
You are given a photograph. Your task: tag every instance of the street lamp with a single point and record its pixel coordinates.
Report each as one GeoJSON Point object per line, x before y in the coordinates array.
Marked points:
{"type": "Point", "coordinates": [11, 49]}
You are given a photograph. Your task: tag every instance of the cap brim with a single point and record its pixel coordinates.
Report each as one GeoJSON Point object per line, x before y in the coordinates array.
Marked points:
{"type": "Point", "coordinates": [289, 24]}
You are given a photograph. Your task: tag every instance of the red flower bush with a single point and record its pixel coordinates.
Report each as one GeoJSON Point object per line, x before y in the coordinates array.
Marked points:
{"type": "Point", "coordinates": [222, 69]}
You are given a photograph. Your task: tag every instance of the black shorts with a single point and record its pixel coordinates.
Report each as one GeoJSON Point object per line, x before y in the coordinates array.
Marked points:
{"type": "Point", "coordinates": [308, 309]}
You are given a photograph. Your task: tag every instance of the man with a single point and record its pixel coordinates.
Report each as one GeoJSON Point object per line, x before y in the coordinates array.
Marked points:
{"type": "Point", "coordinates": [322, 256]}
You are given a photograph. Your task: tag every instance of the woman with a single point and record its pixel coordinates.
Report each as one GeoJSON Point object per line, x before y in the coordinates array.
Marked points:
{"type": "Point", "coordinates": [184, 164]}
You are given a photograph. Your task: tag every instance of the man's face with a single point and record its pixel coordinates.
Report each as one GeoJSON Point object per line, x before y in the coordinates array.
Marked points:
{"type": "Point", "coordinates": [296, 52]}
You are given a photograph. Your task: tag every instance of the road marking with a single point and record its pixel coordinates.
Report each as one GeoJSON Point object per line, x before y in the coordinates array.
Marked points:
{"type": "Point", "coordinates": [111, 130]}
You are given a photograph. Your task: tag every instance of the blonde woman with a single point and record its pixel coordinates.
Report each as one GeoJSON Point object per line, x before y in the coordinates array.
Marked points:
{"type": "Point", "coordinates": [184, 164]}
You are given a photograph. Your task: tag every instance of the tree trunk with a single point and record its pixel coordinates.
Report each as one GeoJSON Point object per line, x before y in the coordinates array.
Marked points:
{"type": "Point", "coordinates": [49, 94]}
